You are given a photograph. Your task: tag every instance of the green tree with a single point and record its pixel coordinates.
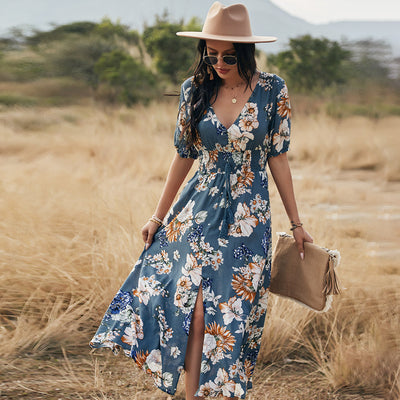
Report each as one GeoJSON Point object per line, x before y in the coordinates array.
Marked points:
{"type": "Point", "coordinates": [312, 63]}
{"type": "Point", "coordinates": [108, 29]}
{"type": "Point", "coordinates": [173, 56]}
{"type": "Point", "coordinates": [127, 80]}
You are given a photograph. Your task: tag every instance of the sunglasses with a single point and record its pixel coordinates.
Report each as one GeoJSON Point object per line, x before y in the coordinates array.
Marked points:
{"type": "Point", "coordinates": [227, 59]}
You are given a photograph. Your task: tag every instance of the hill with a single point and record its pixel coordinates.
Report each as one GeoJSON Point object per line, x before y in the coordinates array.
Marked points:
{"type": "Point", "coordinates": [266, 18]}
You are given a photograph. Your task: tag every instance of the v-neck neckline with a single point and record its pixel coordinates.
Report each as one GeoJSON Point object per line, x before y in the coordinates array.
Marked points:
{"type": "Point", "coordinates": [241, 111]}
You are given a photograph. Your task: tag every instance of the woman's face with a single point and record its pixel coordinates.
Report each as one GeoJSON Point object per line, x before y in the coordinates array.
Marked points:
{"type": "Point", "coordinates": [219, 49]}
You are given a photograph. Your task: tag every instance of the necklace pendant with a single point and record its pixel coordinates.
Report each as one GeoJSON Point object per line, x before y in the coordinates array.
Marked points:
{"type": "Point", "coordinates": [234, 100]}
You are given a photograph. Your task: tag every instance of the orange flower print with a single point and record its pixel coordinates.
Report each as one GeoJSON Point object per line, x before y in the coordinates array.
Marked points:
{"type": "Point", "coordinates": [284, 108]}
{"type": "Point", "coordinates": [248, 123]}
{"type": "Point", "coordinates": [181, 223]}
{"type": "Point", "coordinates": [172, 230]}
{"type": "Point", "coordinates": [246, 176]}
{"type": "Point", "coordinates": [217, 341]}
{"type": "Point", "coordinates": [243, 287]}
{"type": "Point", "coordinates": [251, 109]}
{"type": "Point", "coordinates": [224, 338]}
{"type": "Point", "coordinates": [207, 389]}
{"type": "Point", "coordinates": [248, 369]}
{"type": "Point", "coordinates": [140, 358]}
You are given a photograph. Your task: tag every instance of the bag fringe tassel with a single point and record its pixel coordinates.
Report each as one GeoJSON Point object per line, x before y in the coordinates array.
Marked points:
{"type": "Point", "coordinates": [331, 280]}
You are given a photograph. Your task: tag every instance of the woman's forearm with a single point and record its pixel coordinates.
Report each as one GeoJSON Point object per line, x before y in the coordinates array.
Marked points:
{"type": "Point", "coordinates": [176, 175]}
{"type": "Point", "coordinates": [280, 170]}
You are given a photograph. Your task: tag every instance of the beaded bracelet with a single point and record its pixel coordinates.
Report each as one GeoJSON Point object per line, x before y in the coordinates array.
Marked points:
{"type": "Point", "coordinates": [295, 225]}
{"type": "Point", "coordinates": [155, 219]}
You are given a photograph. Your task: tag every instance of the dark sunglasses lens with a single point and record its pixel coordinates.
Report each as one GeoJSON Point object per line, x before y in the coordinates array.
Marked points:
{"type": "Point", "coordinates": [230, 60]}
{"type": "Point", "coordinates": [210, 60]}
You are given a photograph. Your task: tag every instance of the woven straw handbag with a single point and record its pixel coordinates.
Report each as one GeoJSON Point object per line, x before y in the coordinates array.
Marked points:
{"type": "Point", "coordinates": [312, 282]}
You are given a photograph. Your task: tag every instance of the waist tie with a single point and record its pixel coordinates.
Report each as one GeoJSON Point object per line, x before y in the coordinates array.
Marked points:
{"type": "Point", "coordinates": [228, 214]}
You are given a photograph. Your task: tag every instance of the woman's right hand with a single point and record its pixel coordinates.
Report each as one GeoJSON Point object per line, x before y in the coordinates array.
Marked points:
{"type": "Point", "coordinates": [148, 231]}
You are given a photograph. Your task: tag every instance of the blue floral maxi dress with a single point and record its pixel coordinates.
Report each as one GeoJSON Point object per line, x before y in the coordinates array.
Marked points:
{"type": "Point", "coordinates": [218, 235]}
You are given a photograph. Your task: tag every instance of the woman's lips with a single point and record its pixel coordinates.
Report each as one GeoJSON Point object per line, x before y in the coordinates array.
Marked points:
{"type": "Point", "coordinates": [222, 70]}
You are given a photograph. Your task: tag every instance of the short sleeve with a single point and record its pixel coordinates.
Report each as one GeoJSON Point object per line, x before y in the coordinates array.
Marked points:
{"type": "Point", "coordinates": [279, 128]}
{"type": "Point", "coordinates": [183, 116]}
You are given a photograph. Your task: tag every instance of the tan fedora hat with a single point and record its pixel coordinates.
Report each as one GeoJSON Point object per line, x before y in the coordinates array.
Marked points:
{"type": "Point", "coordinates": [228, 23]}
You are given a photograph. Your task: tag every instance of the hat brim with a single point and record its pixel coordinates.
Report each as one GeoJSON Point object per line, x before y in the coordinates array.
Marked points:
{"type": "Point", "coordinates": [233, 39]}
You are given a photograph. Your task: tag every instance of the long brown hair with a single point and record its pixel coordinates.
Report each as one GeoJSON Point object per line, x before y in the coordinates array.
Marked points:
{"type": "Point", "coordinates": [204, 87]}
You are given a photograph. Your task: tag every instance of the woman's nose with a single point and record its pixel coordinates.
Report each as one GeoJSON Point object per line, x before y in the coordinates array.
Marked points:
{"type": "Point", "coordinates": [220, 62]}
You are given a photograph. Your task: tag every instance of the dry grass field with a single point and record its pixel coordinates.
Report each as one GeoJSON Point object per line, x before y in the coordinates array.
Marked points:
{"type": "Point", "coordinates": [77, 184]}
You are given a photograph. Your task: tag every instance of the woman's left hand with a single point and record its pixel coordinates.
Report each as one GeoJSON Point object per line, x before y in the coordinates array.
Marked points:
{"type": "Point", "coordinates": [300, 236]}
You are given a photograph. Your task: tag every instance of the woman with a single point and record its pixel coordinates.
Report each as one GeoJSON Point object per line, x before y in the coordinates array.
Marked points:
{"type": "Point", "coordinates": [196, 298]}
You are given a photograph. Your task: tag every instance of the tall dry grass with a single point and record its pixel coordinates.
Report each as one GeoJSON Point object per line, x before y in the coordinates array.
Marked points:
{"type": "Point", "coordinates": [78, 183]}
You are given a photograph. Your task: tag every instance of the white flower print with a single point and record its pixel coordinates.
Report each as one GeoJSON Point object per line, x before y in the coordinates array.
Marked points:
{"type": "Point", "coordinates": [284, 128]}
{"type": "Point", "coordinates": [250, 109]}
{"type": "Point", "coordinates": [134, 331]}
{"type": "Point", "coordinates": [278, 141]}
{"type": "Point", "coordinates": [232, 310]}
{"type": "Point", "coordinates": [167, 379]}
{"type": "Point", "coordinates": [200, 217]}
{"type": "Point", "coordinates": [205, 367]}
{"type": "Point", "coordinates": [244, 221]}
{"type": "Point", "coordinates": [239, 138]}
{"type": "Point", "coordinates": [241, 329]}
{"type": "Point", "coordinates": [177, 255]}
{"type": "Point", "coordinates": [210, 297]}
{"type": "Point", "coordinates": [161, 262]}
{"type": "Point", "coordinates": [147, 287]}
{"type": "Point", "coordinates": [208, 389]}
{"type": "Point", "coordinates": [213, 191]}
{"type": "Point", "coordinates": [187, 212]}
{"type": "Point", "coordinates": [175, 352]}
{"type": "Point", "coordinates": [260, 208]}
{"type": "Point", "coordinates": [222, 242]}
{"type": "Point", "coordinates": [248, 123]}
{"type": "Point", "coordinates": [209, 344]}
{"type": "Point", "coordinates": [153, 361]}
{"type": "Point", "coordinates": [192, 269]}
{"type": "Point", "coordinates": [238, 390]}
{"type": "Point", "coordinates": [184, 283]}
{"type": "Point", "coordinates": [211, 117]}
{"type": "Point", "coordinates": [222, 381]}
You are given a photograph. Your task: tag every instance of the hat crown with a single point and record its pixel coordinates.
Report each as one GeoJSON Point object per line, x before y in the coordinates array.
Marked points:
{"type": "Point", "coordinates": [227, 23]}
{"type": "Point", "coordinates": [227, 20]}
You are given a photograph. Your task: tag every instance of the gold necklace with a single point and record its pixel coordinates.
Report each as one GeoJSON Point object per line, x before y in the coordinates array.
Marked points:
{"type": "Point", "coordinates": [234, 96]}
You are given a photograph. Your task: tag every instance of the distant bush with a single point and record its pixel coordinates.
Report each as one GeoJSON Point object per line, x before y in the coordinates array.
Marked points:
{"type": "Point", "coordinates": [17, 100]}
{"type": "Point", "coordinates": [76, 57]}
{"type": "Point", "coordinates": [312, 63]}
{"type": "Point", "coordinates": [22, 69]}
{"type": "Point", "coordinates": [125, 79]}
{"type": "Point", "coordinates": [172, 55]}
{"type": "Point", "coordinates": [82, 28]}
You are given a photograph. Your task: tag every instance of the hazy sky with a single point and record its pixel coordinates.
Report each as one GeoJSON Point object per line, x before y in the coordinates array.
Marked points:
{"type": "Point", "coordinates": [321, 11]}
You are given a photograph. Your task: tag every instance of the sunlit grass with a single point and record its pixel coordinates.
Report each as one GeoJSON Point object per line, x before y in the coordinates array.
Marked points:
{"type": "Point", "coordinates": [76, 186]}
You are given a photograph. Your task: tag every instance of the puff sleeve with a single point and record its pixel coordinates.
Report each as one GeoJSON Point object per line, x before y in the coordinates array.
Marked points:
{"type": "Point", "coordinates": [279, 127]}
{"type": "Point", "coordinates": [183, 116]}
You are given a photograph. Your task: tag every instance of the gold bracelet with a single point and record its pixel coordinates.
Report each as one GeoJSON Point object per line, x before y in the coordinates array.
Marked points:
{"type": "Point", "coordinates": [152, 219]}
{"type": "Point", "coordinates": [157, 219]}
